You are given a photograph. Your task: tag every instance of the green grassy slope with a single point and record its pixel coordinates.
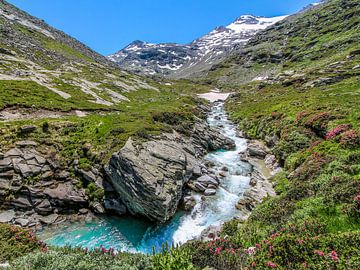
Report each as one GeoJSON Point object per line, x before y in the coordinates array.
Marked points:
{"type": "Point", "coordinates": [42, 68]}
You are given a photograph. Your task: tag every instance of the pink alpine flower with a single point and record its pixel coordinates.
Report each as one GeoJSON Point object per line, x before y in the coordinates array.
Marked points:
{"type": "Point", "coordinates": [336, 131]}
{"type": "Point", "coordinates": [357, 198]}
{"type": "Point", "coordinates": [271, 264]}
{"type": "Point", "coordinates": [251, 250]}
{"type": "Point", "coordinates": [218, 250]}
{"type": "Point", "coordinates": [319, 252]}
{"type": "Point", "coordinates": [334, 256]}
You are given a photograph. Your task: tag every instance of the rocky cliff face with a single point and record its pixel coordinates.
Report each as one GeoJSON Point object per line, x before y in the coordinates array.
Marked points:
{"type": "Point", "coordinates": [177, 60]}
{"type": "Point", "coordinates": [150, 177]}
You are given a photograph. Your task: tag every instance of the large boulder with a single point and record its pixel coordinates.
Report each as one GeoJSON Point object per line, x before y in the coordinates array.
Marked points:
{"type": "Point", "coordinates": [149, 177]}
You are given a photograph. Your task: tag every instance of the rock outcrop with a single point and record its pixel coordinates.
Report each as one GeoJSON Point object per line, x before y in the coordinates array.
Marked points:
{"type": "Point", "coordinates": [150, 176]}
{"type": "Point", "coordinates": [33, 188]}
{"type": "Point", "coordinates": [264, 167]}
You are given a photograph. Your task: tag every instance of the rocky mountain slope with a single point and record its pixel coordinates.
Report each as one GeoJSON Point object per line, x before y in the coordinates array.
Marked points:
{"type": "Point", "coordinates": [180, 61]}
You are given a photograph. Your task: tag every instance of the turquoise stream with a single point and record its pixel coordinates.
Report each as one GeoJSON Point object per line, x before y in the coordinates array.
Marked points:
{"type": "Point", "coordinates": [137, 235]}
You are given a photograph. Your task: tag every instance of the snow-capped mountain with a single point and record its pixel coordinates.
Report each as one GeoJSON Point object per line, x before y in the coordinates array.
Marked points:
{"type": "Point", "coordinates": [177, 60]}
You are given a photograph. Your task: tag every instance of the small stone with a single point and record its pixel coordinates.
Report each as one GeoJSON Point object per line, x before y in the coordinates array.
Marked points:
{"type": "Point", "coordinates": [189, 203]}
{"type": "Point", "coordinates": [5, 164]}
{"type": "Point", "coordinates": [88, 176]}
{"type": "Point", "coordinates": [222, 174]}
{"type": "Point", "coordinates": [199, 187]}
{"type": "Point", "coordinates": [210, 192]}
{"type": "Point", "coordinates": [63, 175]}
{"type": "Point", "coordinates": [40, 159]}
{"type": "Point", "coordinates": [7, 216]}
{"type": "Point", "coordinates": [23, 144]}
{"type": "Point", "coordinates": [44, 207]}
{"type": "Point", "coordinates": [15, 152]}
{"type": "Point", "coordinates": [27, 129]}
{"type": "Point", "coordinates": [50, 219]}
{"type": "Point", "coordinates": [23, 222]}
{"type": "Point", "coordinates": [47, 175]}
{"type": "Point", "coordinates": [207, 180]}
{"type": "Point", "coordinates": [83, 211]}
{"type": "Point", "coordinates": [212, 186]}
{"type": "Point", "coordinates": [197, 171]}
{"type": "Point", "coordinates": [24, 169]}
{"type": "Point", "coordinates": [98, 208]}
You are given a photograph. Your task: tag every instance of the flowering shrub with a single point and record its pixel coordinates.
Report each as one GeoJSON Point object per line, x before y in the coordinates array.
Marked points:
{"type": "Point", "coordinates": [318, 122]}
{"type": "Point", "coordinates": [286, 250]}
{"type": "Point", "coordinates": [15, 242]}
{"type": "Point", "coordinates": [350, 139]}
{"type": "Point", "coordinates": [173, 259]}
{"type": "Point", "coordinates": [300, 115]}
{"type": "Point", "coordinates": [337, 130]}
{"type": "Point", "coordinates": [352, 210]}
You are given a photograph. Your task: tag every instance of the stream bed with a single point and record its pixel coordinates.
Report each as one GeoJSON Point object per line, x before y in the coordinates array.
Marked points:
{"type": "Point", "coordinates": [138, 235]}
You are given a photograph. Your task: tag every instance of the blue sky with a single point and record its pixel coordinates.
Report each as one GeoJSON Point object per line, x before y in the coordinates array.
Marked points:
{"type": "Point", "coordinates": [109, 25]}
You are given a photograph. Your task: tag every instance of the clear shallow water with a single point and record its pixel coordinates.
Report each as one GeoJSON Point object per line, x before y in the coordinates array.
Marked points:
{"type": "Point", "coordinates": [137, 235]}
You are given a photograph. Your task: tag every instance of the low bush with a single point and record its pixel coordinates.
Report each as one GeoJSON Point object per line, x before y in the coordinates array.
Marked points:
{"type": "Point", "coordinates": [16, 242]}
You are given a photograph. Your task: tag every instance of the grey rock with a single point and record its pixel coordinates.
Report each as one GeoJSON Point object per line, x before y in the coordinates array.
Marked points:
{"type": "Point", "coordinates": [23, 144]}
{"type": "Point", "coordinates": [44, 207]}
{"type": "Point", "coordinates": [63, 175]}
{"type": "Point", "coordinates": [272, 140]}
{"type": "Point", "coordinates": [5, 164]}
{"type": "Point", "coordinates": [98, 208]}
{"type": "Point", "coordinates": [23, 222]}
{"type": "Point", "coordinates": [21, 202]}
{"type": "Point", "coordinates": [257, 149]}
{"type": "Point", "coordinates": [47, 175]}
{"type": "Point", "coordinates": [200, 187]}
{"type": "Point", "coordinates": [41, 160]}
{"type": "Point", "coordinates": [189, 203]}
{"type": "Point", "coordinates": [27, 129]}
{"type": "Point", "coordinates": [15, 152]}
{"type": "Point", "coordinates": [212, 187]}
{"type": "Point", "coordinates": [7, 216]}
{"type": "Point", "coordinates": [88, 175]}
{"type": "Point", "coordinates": [66, 194]}
{"type": "Point", "coordinates": [210, 192]}
{"type": "Point", "coordinates": [23, 169]}
{"type": "Point", "coordinates": [83, 211]}
{"type": "Point", "coordinates": [207, 180]}
{"type": "Point", "coordinates": [48, 220]}
{"type": "Point", "coordinates": [4, 186]}
{"type": "Point", "coordinates": [150, 178]}
{"type": "Point", "coordinates": [197, 172]}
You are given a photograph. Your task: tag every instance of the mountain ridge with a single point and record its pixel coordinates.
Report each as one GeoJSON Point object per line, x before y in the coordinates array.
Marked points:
{"type": "Point", "coordinates": [181, 60]}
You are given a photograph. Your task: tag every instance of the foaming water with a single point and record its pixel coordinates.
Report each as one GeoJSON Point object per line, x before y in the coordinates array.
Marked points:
{"type": "Point", "coordinates": [137, 235]}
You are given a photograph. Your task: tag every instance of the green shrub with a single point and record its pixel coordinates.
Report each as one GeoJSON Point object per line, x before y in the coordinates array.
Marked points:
{"type": "Point", "coordinates": [94, 193]}
{"type": "Point", "coordinates": [173, 259]}
{"type": "Point", "coordinates": [16, 242]}
{"type": "Point", "coordinates": [77, 259]}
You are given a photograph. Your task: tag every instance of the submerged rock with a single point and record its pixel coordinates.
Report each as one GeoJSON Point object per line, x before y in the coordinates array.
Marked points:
{"type": "Point", "coordinates": [150, 177]}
